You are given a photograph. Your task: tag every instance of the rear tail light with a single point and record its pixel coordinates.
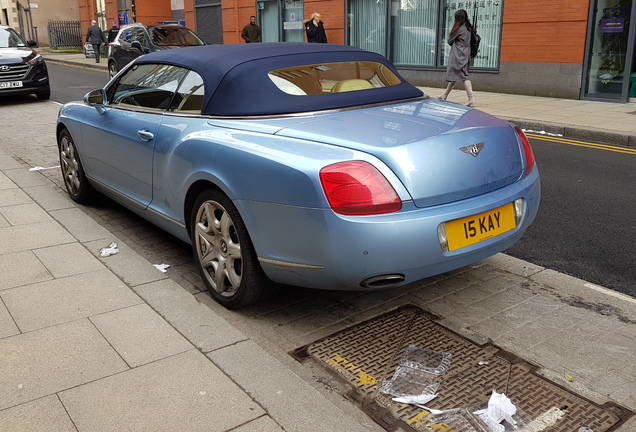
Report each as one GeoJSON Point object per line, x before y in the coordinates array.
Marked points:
{"type": "Point", "coordinates": [527, 149]}
{"type": "Point", "coordinates": [358, 188]}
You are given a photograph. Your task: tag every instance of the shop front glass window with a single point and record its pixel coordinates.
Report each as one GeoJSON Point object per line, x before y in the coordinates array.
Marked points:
{"type": "Point", "coordinates": [486, 16]}
{"type": "Point", "coordinates": [415, 32]}
{"type": "Point", "coordinates": [607, 56]}
{"type": "Point", "coordinates": [407, 31]}
{"type": "Point", "coordinates": [366, 22]}
{"type": "Point", "coordinates": [294, 31]}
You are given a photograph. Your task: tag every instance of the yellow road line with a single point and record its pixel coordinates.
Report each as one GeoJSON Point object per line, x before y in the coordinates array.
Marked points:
{"type": "Point", "coordinates": [583, 144]}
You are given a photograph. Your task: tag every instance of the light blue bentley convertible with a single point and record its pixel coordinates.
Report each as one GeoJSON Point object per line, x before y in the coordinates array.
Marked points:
{"type": "Point", "coordinates": [309, 165]}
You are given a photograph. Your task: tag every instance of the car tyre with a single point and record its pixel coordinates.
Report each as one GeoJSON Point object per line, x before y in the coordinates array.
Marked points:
{"type": "Point", "coordinates": [112, 69]}
{"type": "Point", "coordinates": [224, 252]}
{"type": "Point", "coordinates": [44, 94]}
{"type": "Point", "coordinates": [77, 185]}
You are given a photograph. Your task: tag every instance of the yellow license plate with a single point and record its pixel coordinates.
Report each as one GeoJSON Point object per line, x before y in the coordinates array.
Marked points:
{"type": "Point", "coordinates": [473, 229]}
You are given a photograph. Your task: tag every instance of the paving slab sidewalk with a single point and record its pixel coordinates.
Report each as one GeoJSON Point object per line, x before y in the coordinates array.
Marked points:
{"type": "Point", "coordinates": [84, 341]}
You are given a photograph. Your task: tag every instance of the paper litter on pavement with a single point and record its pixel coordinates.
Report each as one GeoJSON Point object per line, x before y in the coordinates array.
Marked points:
{"type": "Point", "coordinates": [162, 267]}
{"type": "Point", "coordinates": [110, 250]}
{"type": "Point", "coordinates": [39, 168]}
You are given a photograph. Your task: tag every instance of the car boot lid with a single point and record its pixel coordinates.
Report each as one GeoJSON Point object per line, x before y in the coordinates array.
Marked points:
{"type": "Point", "coordinates": [442, 152]}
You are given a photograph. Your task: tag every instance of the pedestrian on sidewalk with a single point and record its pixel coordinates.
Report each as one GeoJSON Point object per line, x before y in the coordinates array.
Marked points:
{"type": "Point", "coordinates": [251, 31]}
{"type": "Point", "coordinates": [112, 33]}
{"type": "Point", "coordinates": [459, 58]}
{"type": "Point", "coordinates": [96, 38]}
{"type": "Point", "coordinates": [315, 29]}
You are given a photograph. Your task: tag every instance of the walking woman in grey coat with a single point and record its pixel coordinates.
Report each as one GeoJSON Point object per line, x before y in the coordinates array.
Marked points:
{"type": "Point", "coordinates": [457, 69]}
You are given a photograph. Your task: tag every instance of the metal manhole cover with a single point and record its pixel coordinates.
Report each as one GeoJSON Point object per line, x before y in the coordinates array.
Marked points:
{"type": "Point", "coordinates": [368, 353]}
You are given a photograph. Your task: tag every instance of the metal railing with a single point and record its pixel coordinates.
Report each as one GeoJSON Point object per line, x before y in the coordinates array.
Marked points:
{"type": "Point", "coordinates": [64, 34]}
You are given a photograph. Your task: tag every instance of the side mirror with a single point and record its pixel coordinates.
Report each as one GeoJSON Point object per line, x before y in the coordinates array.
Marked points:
{"type": "Point", "coordinates": [97, 99]}
{"type": "Point", "coordinates": [137, 44]}
{"type": "Point", "coordinates": [32, 43]}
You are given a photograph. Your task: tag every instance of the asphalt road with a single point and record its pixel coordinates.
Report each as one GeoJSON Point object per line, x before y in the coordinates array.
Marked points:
{"type": "Point", "coordinates": [586, 226]}
{"type": "Point", "coordinates": [70, 83]}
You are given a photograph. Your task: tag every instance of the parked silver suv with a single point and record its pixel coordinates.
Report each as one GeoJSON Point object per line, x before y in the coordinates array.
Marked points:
{"type": "Point", "coordinates": [134, 40]}
{"type": "Point", "coordinates": [22, 70]}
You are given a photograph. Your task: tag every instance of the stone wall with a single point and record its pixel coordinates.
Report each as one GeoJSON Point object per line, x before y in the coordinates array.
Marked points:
{"type": "Point", "coordinates": [560, 80]}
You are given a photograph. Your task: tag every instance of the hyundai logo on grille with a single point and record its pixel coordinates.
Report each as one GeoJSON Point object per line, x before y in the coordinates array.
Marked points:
{"type": "Point", "coordinates": [473, 149]}
{"type": "Point", "coordinates": [4, 68]}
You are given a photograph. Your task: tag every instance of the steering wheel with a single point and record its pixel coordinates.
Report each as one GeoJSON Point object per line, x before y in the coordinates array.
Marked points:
{"type": "Point", "coordinates": [129, 101]}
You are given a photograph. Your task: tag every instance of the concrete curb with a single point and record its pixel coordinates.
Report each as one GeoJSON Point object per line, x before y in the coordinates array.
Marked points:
{"type": "Point", "coordinates": [579, 133]}
{"type": "Point", "coordinates": [96, 66]}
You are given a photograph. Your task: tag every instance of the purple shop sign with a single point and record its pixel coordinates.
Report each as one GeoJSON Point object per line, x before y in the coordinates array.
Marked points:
{"type": "Point", "coordinates": [612, 25]}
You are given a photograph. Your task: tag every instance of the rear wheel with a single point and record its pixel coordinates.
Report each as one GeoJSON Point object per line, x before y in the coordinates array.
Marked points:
{"type": "Point", "coordinates": [224, 252]}
{"type": "Point", "coordinates": [77, 185]}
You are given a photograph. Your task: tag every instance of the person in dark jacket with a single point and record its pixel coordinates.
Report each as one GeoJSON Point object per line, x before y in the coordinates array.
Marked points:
{"type": "Point", "coordinates": [112, 33]}
{"type": "Point", "coordinates": [459, 58]}
{"type": "Point", "coordinates": [315, 29]}
{"type": "Point", "coordinates": [95, 37]}
{"type": "Point", "coordinates": [251, 31]}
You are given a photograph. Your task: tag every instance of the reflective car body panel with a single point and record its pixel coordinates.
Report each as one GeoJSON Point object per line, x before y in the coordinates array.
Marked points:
{"type": "Point", "coordinates": [116, 155]}
{"type": "Point", "coordinates": [154, 161]}
{"type": "Point", "coordinates": [398, 136]}
{"type": "Point", "coordinates": [150, 38]}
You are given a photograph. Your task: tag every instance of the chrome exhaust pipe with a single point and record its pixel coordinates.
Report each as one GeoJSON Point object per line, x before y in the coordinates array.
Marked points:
{"type": "Point", "coordinates": [382, 281]}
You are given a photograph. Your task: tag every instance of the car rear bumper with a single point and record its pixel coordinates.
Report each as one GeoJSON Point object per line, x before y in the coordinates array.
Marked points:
{"type": "Point", "coordinates": [330, 251]}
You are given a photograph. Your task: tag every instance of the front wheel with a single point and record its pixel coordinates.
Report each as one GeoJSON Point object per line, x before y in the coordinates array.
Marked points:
{"type": "Point", "coordinates": [77, 185]}
{"type": "Point", "coordinates": [112, 69]}
{"type": "Point", "coordinates": [44, 94]}
{"type": "Point", "coordinates": [224, 252]}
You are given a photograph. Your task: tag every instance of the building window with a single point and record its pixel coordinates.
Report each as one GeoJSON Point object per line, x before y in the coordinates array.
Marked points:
{"type": "Point", "coordinates": [413, 32]}
{"type": "Point", "coordinates": [486, 16]}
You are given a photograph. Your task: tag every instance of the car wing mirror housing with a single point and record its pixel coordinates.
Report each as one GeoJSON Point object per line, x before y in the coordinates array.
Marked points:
{"type": "Point", "coordinates": [137, 44]}
{"type": "Point", "coordinates": [32, 43]}
{"type": "Point", "coordinates": [97, 99]}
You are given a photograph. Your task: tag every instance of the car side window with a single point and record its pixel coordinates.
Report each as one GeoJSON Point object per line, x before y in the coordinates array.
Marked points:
{"type": "Point", "coordinates": [189, 97]}
{"type": "Point", "coordinates": [126, 35]}
{"type": "Point", "coordinates": [140, 35]}
{"type": "Point", "coordinates": [146, 86]}
{"type": "Point", "coordinates": [137, 34]}
{"type": "Point", "coordinates": [164, 36]}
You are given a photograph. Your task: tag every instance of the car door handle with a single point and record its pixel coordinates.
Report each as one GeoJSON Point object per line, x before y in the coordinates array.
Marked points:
{"type": "Point", "coordinates": [145, 135]}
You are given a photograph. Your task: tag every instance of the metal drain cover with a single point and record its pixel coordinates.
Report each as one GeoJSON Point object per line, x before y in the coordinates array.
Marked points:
{"type": "Point", "coordinates": [368, 353]}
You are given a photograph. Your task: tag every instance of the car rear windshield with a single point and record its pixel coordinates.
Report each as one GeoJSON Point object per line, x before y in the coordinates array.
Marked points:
{"type": "Point", "coordinates": [10, 39]}
{"type": "Point", "coordinates": [333, 77]}
{"type": "Point", "coordinates": [174, 36]}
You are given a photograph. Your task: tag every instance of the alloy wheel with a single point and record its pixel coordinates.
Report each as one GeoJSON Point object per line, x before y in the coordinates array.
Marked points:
{"type": "Point", "coordinates": [218, 248]}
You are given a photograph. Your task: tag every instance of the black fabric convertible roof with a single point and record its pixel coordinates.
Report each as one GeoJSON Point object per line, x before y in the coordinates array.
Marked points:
{"type": "Point", "coordinates": [237, 83]}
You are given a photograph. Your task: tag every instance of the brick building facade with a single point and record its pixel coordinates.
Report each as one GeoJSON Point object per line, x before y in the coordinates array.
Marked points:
{"type": "Point", "coordinates": [30, 18]}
